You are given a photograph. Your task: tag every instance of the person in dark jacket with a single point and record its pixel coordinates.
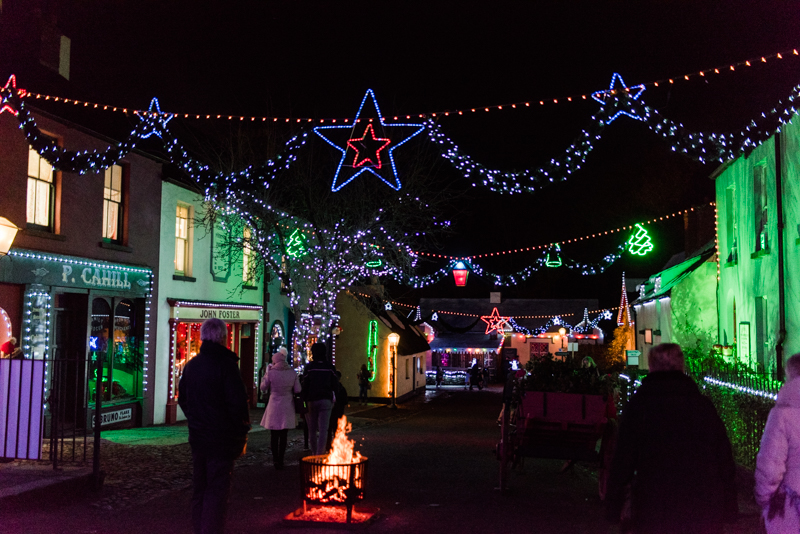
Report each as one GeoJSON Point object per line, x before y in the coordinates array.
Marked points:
{"type": "Point", "coordinates": [674, 453]}
{"type": "Point", "coordinates": [319, 385]}
{"type": "Point", "coordinates": [213, 398]}
{"type": "Point", "coordinates": [338, 409]}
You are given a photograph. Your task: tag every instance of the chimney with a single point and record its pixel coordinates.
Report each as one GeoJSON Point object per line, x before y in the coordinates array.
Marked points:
{"type": "Point", "coordinates": [698, 227]}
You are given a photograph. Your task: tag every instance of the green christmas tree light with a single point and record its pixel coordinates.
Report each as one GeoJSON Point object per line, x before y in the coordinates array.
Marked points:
{"type": "Point", "coordinates": [296, 246]}
{"type": "Point", "coordinates": [640, 243]}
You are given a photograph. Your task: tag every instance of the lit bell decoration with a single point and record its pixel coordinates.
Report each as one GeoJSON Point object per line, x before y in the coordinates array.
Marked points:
{"type": "Point", "coordinates": [460, 273]}
{"type": "Point", "coordinates": [553, 256]}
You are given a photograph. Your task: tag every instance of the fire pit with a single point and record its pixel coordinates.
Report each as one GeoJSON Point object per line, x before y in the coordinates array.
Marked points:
{"type": "Point", "coordinates": [333, 480]}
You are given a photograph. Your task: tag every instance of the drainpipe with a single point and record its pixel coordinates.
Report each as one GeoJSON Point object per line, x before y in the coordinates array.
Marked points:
{"type": "Point", "coordinates": [781, 282]}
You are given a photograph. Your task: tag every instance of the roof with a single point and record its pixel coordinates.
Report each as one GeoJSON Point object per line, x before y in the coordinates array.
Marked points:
{"type": "Point", "coordinates": [468, 340]}
{"type": "Point", "coordinates": [662, 282]}
{"type": "Point", "coordinates": [542, 309]}
{"type": "Point", "coordinates": [412, 340]}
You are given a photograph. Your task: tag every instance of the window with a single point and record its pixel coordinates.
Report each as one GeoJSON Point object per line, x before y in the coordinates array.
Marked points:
{"type": "Point", "coordinates": [182, 248]}
{"type": "Point", "coordinates": [248, 265]}
{"type": "Point", "coordinates": [731, 227]}
{"type": "Point", "coordinates": [761, 332]}
{"type": "Point", "coordinates": [648, 336]}
{"type": "Point", "coordinates": [760, 206]}
{"type": "Point", "coordinates": [112, 204]}
{"type": "Point", "coordinates": [40, 191]}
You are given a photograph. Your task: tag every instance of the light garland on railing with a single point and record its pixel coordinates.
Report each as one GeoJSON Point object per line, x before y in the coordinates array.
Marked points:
{"type": "Point", "coordinates": [704, 73]}
{"type": "Point", "coordinates": [741, 389]}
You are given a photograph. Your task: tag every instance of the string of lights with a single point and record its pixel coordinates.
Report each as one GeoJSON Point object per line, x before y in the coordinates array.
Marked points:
{"type": "Point", "coordinates": [701, 74]}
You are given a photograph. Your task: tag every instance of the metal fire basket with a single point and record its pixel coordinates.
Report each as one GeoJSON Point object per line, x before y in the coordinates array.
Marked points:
{"type": "Point", "coordinates": [324, 483]}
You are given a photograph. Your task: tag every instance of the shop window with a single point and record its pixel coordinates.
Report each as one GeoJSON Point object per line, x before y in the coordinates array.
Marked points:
{"type": "Point", "coordinates": [41, 186]}
{"type": "Point", "coordinates": [760, 214]}
{"type": "Point", "coordinates": [113, 205]}
{"type": "Point", "coordinates": [116, 346]}
{"type": "Point", "coordinates": [183, 245]}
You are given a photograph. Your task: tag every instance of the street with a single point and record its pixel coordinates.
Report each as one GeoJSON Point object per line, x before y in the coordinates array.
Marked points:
{"type": "Point", "coordinates": [431, 469]}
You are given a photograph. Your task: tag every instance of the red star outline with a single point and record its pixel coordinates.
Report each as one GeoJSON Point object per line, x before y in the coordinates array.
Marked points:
{"type": "Point", "coordinates": [365, 159]}
{"type": "Point", "coordinates": [10, 86]}
{"type": "Point", "coordinates": [495, 321]}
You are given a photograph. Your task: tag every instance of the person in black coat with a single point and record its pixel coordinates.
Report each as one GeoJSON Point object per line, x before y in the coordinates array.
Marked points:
{"type": "Point", "coordinates": [674, 453]}
{"type": "Point", "coordinates": [213, 398]}
{"type": "Point", "coordinates": [338, 409]}
{"type": "Point", "coordinates": [319, 384]}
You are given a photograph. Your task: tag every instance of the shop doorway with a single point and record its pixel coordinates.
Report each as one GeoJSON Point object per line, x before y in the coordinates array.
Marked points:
{"type": "Point", "coordinates": [69, 396]}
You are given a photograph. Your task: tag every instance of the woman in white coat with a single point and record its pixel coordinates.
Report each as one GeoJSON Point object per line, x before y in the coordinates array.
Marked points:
{"type": "Point", "coordinates": [281, 382]}
{"type": "Point", "coordinates": [778, 462]}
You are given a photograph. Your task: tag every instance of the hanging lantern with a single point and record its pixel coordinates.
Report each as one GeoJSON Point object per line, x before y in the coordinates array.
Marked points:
{"type": "Point", "coordinates": [460, 273]}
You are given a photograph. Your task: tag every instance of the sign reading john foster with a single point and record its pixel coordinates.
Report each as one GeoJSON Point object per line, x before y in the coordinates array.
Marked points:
{"type": "Point", "coordinates": [29, 267]}
{"type": "Point", "coordinates": [197, 311]}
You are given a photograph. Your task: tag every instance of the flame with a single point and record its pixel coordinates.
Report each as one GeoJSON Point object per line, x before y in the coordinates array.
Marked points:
{"type": "Point", "coordinates": [332, 482]}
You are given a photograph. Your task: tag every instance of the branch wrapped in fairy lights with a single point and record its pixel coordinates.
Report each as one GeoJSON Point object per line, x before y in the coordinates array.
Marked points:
{"type": "Point", "coordinates": [584, 326]}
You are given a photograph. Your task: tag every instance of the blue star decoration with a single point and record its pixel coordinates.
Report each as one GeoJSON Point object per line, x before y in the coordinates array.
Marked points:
{"type": "Point", "coordinates": [618, 88]}
{"type": "Point", "coordinates": [154, 120]}
{"type": "Point", "coordinates": [365, 150]}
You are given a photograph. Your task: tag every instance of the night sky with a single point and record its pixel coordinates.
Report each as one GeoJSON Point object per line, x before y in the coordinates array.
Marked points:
{"type": "Point", "coordinates": [316, 59]}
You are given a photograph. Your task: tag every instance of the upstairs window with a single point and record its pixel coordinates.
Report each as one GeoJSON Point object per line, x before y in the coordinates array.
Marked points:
{"type": "Point", "coordinates": [731, 225]}
{"type": "Point", "coordinates": [112, 204]}
{"type": "Point", "coordinates": [182, 243]}
{"type": "Point", "coordinates": [760, 207]}
{"type": "Point", "coordinates": [248, 265]}
{"type": "Point", "coordinates": [40, 191]}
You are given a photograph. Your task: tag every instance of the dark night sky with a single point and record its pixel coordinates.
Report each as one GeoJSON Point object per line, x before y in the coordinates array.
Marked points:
{"type": "Point", "coordinates": [303, 58]}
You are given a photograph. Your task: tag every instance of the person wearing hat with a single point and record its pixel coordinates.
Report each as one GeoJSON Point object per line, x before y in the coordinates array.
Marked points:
{"type": "Point", "coordinates": [7, 348]}
{"type": "Point", "coordinates": [281, 382]}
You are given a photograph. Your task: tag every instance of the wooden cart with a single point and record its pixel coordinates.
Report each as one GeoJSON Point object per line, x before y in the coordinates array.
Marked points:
{"type": "Point", "coordinates": [564, 426]}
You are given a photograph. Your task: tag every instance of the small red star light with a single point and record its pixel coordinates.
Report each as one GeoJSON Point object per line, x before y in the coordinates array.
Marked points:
{"type": "Point", "coordinates": [368, 149]}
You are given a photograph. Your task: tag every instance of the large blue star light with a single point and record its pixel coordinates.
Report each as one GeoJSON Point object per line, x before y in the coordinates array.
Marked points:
{"type": "Point", "coordinates": [154, 119]}
{"type": "Point", "coordinates": [363, 151]}
{"type": "Point", "coordinates": [631, 92]}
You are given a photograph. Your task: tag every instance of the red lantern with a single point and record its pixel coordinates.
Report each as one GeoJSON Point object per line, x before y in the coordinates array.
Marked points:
{"type": "Point", "coordinates": [460, 273]}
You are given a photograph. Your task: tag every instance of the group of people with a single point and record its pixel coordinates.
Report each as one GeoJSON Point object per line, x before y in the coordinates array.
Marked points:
{"type": "Point", "coordinates": [673, 469]}
{"type": "Point", "coordinates": [213, 397]}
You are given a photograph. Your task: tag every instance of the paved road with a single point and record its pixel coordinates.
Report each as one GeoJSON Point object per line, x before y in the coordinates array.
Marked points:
{"type": "Point", "coordinates": [432, 469]}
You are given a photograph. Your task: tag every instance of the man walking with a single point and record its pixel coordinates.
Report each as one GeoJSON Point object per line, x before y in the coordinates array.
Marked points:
{"type": "Point", "coordinates": [319, 385]}
{"type": "Point", "coordinates": [213, 397]}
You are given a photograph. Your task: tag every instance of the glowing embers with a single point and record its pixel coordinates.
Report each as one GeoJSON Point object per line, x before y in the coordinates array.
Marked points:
{"type": "Point", "coordinates": [338, 477]}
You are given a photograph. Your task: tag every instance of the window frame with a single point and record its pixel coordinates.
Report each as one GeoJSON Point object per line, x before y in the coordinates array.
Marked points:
{"type": "Point", "coordinates": [187, 240]}
{"type": "Point", "coordinates": [760, 214]}
{"type": "Point", "coordinates": [51, 193]}
{"type": "Point", "coordinates": [122, 205]}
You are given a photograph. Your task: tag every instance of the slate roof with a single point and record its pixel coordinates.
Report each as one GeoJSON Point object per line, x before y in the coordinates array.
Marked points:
{"type": "Point", "coordinates": [671, 276]}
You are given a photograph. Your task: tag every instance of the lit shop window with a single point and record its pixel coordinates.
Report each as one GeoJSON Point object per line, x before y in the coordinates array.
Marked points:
{"type": "Point", "coordinates": [40, 190]}
{"type": "Point", "coordinates": [182, 243]}
{"type": "Point", "coordinates": [112, 204]}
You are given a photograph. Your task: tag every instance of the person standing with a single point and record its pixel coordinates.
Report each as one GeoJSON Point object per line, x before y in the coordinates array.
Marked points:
{"type": "Point", "coordinates": [212, 395]}
{"type": "Point", "coordinates": [674, 453]}
{"type": "Point", "coordinates": [339, 406]}
{"type": "Point", "coordinates": [439, 375]}
{"type": "Point", "coordinates": [777, 473]}
{"type": "Point", "coordinates": [281, 382]}
{"type": "Point", "coordinates": [319, 385]}
{"type": "Point", "coordinates": [364, 375]}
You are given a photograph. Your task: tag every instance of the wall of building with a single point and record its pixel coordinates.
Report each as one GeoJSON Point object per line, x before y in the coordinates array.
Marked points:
{"type": "Point", "coordinates": [754, 275]}
{"type": "Point", "coordinates": [694, 309]}
{"type": "Point", "coordinates": [203, 288]}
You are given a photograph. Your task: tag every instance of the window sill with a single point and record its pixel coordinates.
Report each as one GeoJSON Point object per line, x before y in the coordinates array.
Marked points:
{"type": "Point", "coordinates": [759, 253]}
{"type": "Point", "coordinates": [249, 287]}
{"type": "Point", "coordinates": [33, 232]}
{"type": "Point", "coordinates": [182, 278]}
{"type": "Point", "coordinates": [114, 246]}
{"type": "Point", "coordinates": [732, 263]}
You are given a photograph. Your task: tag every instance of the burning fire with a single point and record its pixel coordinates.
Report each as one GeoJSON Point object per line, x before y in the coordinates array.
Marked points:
{"type": "Point", "coordinates": [333, 473]}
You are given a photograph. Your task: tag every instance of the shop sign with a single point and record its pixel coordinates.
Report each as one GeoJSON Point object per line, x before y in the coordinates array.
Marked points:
{"type": "Point", "coordinates": [117, 416]}
{"type": "Point", "coordinates": [226, 314]}
{"type": "Point", "coordinates": [29, 267]}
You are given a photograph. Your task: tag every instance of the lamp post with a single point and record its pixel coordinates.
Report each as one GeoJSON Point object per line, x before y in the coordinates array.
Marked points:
{"type": "Point", "coordinates": [8, 231]}
{"type": "Point", "coordinates": [563, 333]}
{"type": "Point", "coordinates": [394, 339]}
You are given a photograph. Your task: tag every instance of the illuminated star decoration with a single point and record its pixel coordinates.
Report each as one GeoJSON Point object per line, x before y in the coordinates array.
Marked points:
{"type": "Point", "coordinates": [494, 322]}
{"type": "Point", "coordinates": [154, 119]}
{"type": "Point", "coordinates": [362, 150]}
{"type": "Point", "coordinates": [607, 314]}
{"type": "Point", "coordinates": [624, 91]}
{"type": "Point", "coordinates": [9, 89]}
{"type": "Point", "coordinates": [435, 316]}
{"type": "Point", "coordinates": [387, 306]}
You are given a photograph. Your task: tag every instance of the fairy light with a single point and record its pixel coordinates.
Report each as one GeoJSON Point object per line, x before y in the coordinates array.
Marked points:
{"type": "Point", "coordinates": [742, 389]}
{"type": "Point", "coordinates": [716, 237]}
{"type": "Point", "coordinates": [520, 105]}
